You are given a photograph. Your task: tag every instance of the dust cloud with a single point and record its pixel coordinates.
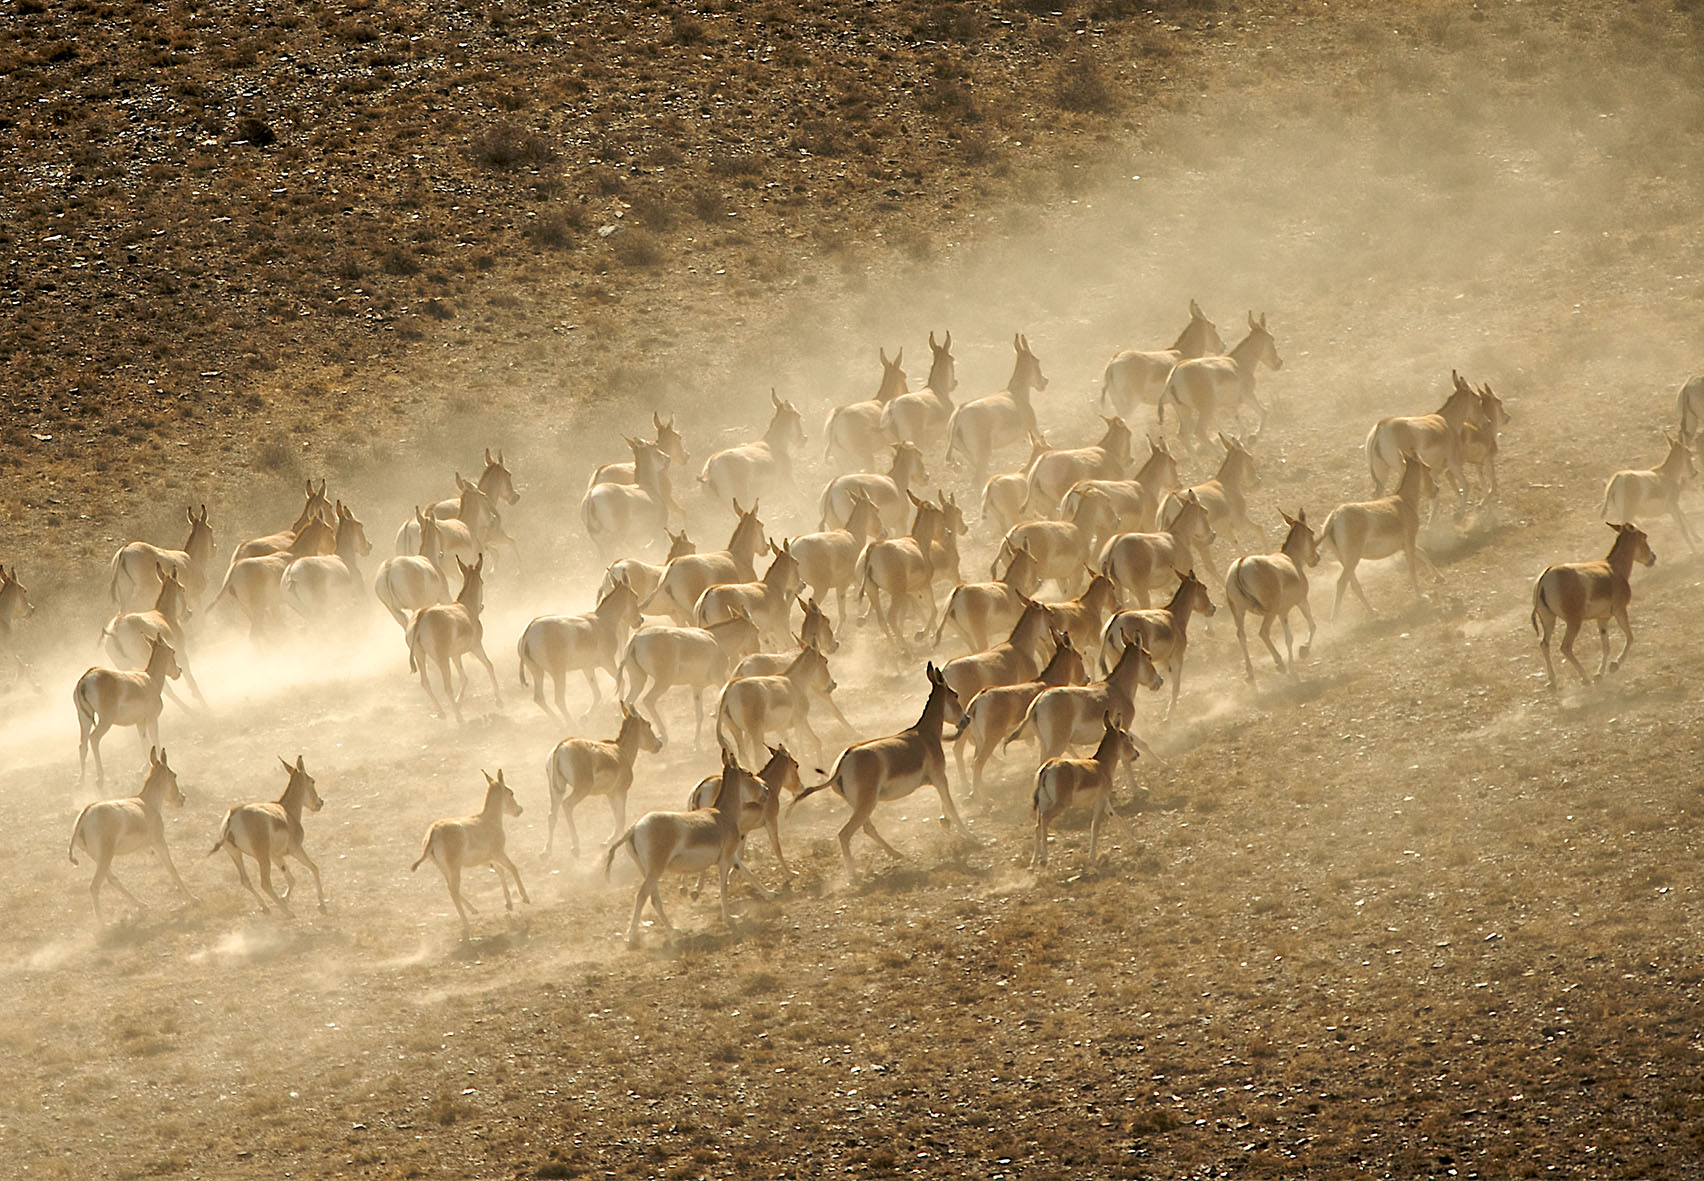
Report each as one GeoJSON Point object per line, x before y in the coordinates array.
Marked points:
{"type": "Point", "coordinates": [1532, 225]}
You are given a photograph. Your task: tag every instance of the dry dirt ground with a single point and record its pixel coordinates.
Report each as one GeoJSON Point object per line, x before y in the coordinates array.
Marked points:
{"type": "Point", "coordinates": [1407, 913]}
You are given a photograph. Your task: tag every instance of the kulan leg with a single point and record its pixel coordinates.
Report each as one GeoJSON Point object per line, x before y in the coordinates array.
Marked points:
{"type": "Point", "coordinates": [503, 860]}
{"type": "Point", "coordinates": [646, 890]}
{"type": "Point", "coordinates": [242, 875]}
{"type": "Point", "coordinates": [1570, 629]}
{"type": "Point", "coordinates": [426, 684]}
{"type": "Point", "coordinates": [479, 655]}
{"type": "Point", "coordinates": [1289, 641]}
{"type": "Point", "coordinates": [103, 874]}
{"type": "Point", "coordinates": [508, 895]}
{"type": "Point", "coordinates": [939, 777]}
{"type": "Point", "coordinates": [1237, 614]}
{"type": "Point", "coordinates": [1266, 638]}
{"type": "Point", "coordinates": [452, 879]}
{"type": "Point", "coordinates": [568, 819]}
{"type": "Point", "coordinates": [1313, 628]}
{"type": "Point", "coordinates": [618, 815]}
{"type": "Point", "coordinates": [558, 681]}
{"type": "Point", "coordinates": [171, 868]}
{"type": "Point", "coordinates": [845, 837]}
{"type": "Point", "coordinates": [538, 684]}
{"type": "Point", "coordinates": [1547, 626]}
{"type": "Point", "coordinates": [263, 865]}
{"type": "Point", "coordinates": [300, 855]}
{"type": "Point", "coordinates": [1627, 633]}
{"type": "Point", "coordinates": [449, 687]}
{"type": "Point", "coordinates": [773, 824]}
{"type": "Point", "coordinates": [1102, 805]}
{"type": "Point", "coordinates": [95, 736]}
{"type": "Point", "coordinates": [737, 861]}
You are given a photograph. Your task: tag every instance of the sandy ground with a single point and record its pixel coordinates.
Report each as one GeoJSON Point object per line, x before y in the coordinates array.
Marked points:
{"type": "Point", "coordinates": [1407, 912]}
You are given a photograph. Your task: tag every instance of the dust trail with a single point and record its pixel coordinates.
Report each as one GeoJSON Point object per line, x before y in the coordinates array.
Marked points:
{"type": "Point", "coordinates": [1397, 226]}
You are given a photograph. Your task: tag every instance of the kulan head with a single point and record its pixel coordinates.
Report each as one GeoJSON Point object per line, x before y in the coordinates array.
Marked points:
{"type": "Point", "coordinates": [161, 779]}
{"type": "Point", "coordinates": [496, 787]}
{"type": "Point", "coordinates": [301, 781]}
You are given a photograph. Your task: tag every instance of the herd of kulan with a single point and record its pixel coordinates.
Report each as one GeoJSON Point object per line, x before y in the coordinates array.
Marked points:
{"type": "Point", "coordinates": [1098, 522]}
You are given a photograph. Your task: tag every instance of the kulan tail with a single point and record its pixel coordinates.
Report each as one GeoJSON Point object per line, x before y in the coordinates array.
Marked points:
{"type": "Point", "coordinates": [1373, 457]}
{"type": "Point", "coordinates": [117, 569]}
{"type": "Point", "coordinates": [952, 436]}
{"type": "Point", "coordinates": [411, 637]}
{"type": "Point", "coordinates": [586, 517]}
{"type": "Point", "coordinates": [425, 852]}
{"type": "Point", "coordinates": [85, 710]}
{"type": "Point", "coordinates": [1537, 601]}
{"type": "Point", "coordinates": [1328, 536]}
{"type": "Point", "coordinates": [75, 830]}
{"type": "Point", "coordinates": [1027, 724]}
{"type": "Point", "coordinates": [623, 678]}
{"type": "Point", "coordinates": [832, 781]}
{"type": "Point", "coordinates": [553, 781]}
{"type": "Point", "coordinates": [946, 612]}
{"type": "Point", "coordinates": [224, 836]}
{"type": "Point", "coordinates": [722, 734]}
{"type": "Point", "coordinates": [1234, 579]}
{"type": "Point", "coordinates": [625, 840]}
{"type": "Point", "coordinates": [224, 589]}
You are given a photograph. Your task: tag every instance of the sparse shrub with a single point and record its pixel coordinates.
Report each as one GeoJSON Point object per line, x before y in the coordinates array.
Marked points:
{"type": "Point", "coordinates": [274, 455]}
{"type": "Point", "coordinates": [553, 231]}
{"type": "Point", "coordinates": [912, 240]}
{"type": "Point", "coordinates": [975, 147]}
{"type": "Point", "coordinates": [400, 262]}
{"type": "Point", "coordinates": [651, 210]}
{"type": "Point", "coordinates": [737, 164]}
{"type": "Point", "coordinates": [640, 382]}
{"type": "Point", "coordinates": [688, 29]}
{"type": "Point", "coordinates": [819, 137]}
{"type": "Point", "coordinates": [346, 267]}
{"type": "Point", "coordinates": [951, 20]}
{"type": "Point", "coordinates": [506, 146]}
{"type": "Point", "coordinates": [638, 249]}
{"type": "Point", "coordinates": [708, 205]}
{"type": "Point", "coordinates": [950, 98]}
{"type": "Point", "coordinates": [1083, 86]}
{"type": "Point", "coordinates": [357, 32]}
